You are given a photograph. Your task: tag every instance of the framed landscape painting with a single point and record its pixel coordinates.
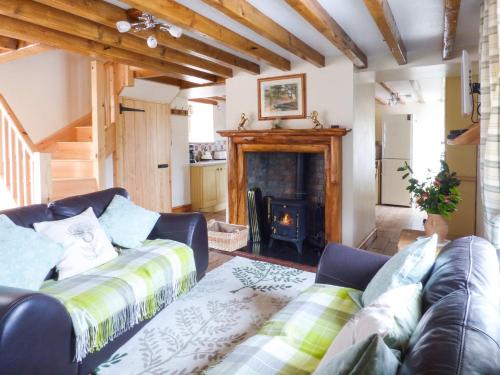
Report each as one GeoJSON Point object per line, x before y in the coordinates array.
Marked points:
{"type": "Point", "coordinates": [282, 97]}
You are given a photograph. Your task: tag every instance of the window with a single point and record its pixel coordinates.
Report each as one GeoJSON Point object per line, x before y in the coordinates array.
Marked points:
{"type": "Point", "coordinates": [201, 123]}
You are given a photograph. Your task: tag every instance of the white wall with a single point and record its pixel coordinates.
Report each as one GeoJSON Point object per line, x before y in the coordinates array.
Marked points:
{"type": "Point", "coordinates": [330, 91]}
{"type": "Point", "coordinates": [181, 185]}
{"type": "Point", "coordinates": [219, 119]}
{"type": "Point", "coordinates": [47, 91]}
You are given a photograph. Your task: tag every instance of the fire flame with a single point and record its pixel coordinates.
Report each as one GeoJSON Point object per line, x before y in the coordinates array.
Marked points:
{"type": "Point", "coordinates": [287, 219]}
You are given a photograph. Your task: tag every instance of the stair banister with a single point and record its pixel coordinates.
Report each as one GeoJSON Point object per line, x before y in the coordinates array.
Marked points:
{"type": "Point", "coordinates": [24, 171]}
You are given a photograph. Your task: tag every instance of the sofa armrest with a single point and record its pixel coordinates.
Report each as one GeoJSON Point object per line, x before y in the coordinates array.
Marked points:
{"type": "Point", "coordinates": [35, 334]}
{"type": "Point", "coordinates": [188, 228]}
{"type": "Point", "coordinates": [348, 267]}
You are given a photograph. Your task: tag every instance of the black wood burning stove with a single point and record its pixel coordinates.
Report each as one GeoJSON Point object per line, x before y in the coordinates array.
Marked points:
{"type": "Point", "coordinates": [288, 221]}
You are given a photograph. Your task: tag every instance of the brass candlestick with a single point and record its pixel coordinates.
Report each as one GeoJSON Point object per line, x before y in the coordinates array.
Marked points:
{"type": "Point", "coordinates": [243, 121]}
{"type": "Point", "coordinates": [315, 120]}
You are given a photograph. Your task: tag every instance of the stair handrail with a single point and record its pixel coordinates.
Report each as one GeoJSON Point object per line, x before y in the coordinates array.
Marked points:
{"type": "Point", "coordinates": [25, 171]}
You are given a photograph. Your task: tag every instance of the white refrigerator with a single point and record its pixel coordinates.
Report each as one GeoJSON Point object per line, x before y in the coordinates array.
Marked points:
{"type": "Point", "coordinates": [397, 148]}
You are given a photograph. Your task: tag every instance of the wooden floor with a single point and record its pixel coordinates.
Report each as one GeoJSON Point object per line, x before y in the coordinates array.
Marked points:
{"type": "Point", "coordinates": [389, 221]}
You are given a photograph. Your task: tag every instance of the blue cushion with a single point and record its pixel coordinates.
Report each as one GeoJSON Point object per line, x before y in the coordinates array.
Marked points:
{"type": "Point", "coordinates": [126, 224]}
{"type": "Point", "coordinates": [409, 266]}
{"type": "Point", "coordinates": [368, 357]}
{"type": "Point", "coordinates": [26, 257]}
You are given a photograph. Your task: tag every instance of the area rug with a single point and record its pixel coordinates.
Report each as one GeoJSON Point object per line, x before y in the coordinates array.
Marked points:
{"type": "Point", "coordinates": [228, 305]}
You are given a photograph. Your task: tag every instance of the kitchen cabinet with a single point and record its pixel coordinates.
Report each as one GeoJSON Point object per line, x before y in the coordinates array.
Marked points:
{"type": "Point", "coordinates": [209, 186]}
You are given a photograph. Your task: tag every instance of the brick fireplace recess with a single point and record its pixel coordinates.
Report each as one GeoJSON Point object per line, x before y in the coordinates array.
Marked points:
{"type": "Point", "coordinates": [323, 146]}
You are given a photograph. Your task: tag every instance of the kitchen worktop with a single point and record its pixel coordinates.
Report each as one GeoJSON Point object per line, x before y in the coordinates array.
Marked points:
{"type": "Point", "coordinates": [209, 162]}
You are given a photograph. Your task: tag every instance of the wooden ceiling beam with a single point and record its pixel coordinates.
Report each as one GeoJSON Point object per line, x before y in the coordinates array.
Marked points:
{"type": "Point", "coordinates": [380, 101]}
{"type": "Point", "coordinates": [108, 14]}
{"type": "Point", "coordinates": [417, 89]}
{"type": "Point", "coordinates": [245, 13]}
{"type": "Point", "coordinates": [24, 51]}
{"type": "Point", "coordinates": [451, 10]}
{"type": "Point", "coordinates": [8, 44]}
{"type": "Point", "coordinates": [321, 20]}
{"type": "Point", "coordinates": [188, 19]}
{"type": "Point", "coordinates": [155, 77]}
{"type": "Point", "coordinates": [27, 31]}
{"type": "Point", "coordinates": [391, 91]}
{"type": "Point", "coordinates": [383, 17]}
{"type": "Point", "coordinates": [42, 15]}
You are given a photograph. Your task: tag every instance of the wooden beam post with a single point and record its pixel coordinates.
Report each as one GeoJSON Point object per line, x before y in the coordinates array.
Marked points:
{"type": "Point", "coordinates": [28, 31]}
{"type": "Point", "coordinates": [383, 17]}
{"type": "Point", "coordinates": [246, 14]}
{"type": "Point", "coordinates": [186, 18]}
{"type": "Point", "coordinates": [8, 44]}
{"type": "Point", "coordinates": [108, 14]}
{"type": "Point", "coordinates": [451, 10]}
{"type": "Point", "coordinates": [98, 85]}
{"type": "Point", "coordinates": [321, 20]}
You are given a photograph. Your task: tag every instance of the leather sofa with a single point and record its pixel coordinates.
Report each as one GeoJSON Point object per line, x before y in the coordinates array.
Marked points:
{"type": "Point", "coordinates": [459, 333]}
{"type": "Point", "coordinates": [36, 333]}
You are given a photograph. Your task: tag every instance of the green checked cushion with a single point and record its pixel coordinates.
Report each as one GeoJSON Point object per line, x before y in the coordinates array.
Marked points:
{"type": "Point", "coordinates": [296, 338]}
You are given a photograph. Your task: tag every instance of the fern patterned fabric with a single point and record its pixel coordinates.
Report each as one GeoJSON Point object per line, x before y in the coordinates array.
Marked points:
{"type": "Point", "coordinates": [296, 338]}
{"type": "Point", "coordinates": [108, 300]}
{"type": "Point", "coordinates": [489, 61]}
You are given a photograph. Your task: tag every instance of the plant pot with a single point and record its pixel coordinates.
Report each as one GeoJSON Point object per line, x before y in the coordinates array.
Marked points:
{"type": "Point", "coordinates": [436, 224]}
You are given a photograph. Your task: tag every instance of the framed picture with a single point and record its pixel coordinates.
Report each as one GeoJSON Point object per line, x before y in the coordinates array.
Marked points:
{"type": "Point", "coordinates": [282, 97]}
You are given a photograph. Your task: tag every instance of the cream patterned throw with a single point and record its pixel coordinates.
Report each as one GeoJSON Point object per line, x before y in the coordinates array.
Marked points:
{"type": "Point", "coordinates": [109, 300]}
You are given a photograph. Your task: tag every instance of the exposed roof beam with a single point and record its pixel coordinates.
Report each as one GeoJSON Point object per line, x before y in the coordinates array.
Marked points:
{"type": "Point", "coordinates": [318, 17]}
{"type": "Point", "coordinates": [451, 10]}
{"type": "Point", "coordinates": [415, 85]}
{"type": "Point", "coordinates": [155, 77]}
{"type": "Point", "coordinates": [186, 18]}
{"type": "Point", "coordinates": [27, 31]}
{"type": "Point", "coordinates": [8, 44]}
{"type": "Point", "coordinates": [108, 14]}
{"type": "Point", "coordinates": [42, 15]}
{"type": "Point", "coordinates": [391, 91]}
{"type": "Point", "coordinates": [246, 14]}
{"type": "Point", "coordinates": [383, 17]}
{"type": "Point", "coordinates": [204, 101]}
{"type": "Point", "coordinates": [24, 51]}
{"type": "Point", "coordinates": [380, 101]}
{"type": "Point", "coordinates": [218, 98]}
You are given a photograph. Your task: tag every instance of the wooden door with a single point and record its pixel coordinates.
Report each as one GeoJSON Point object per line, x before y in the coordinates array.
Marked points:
{"type": "Point", "coordinates": [143, 153]}
{"type": "Point", "coordinates": [210, 175]}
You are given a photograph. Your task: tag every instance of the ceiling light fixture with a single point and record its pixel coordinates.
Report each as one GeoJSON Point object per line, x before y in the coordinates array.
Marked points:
{"type": "Point", "coordinates": [141, 21]}
{"type": "Point", "coordinates": [394, 99]}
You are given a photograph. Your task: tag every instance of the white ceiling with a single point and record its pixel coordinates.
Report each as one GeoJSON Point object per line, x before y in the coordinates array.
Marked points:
{"type": "Point", "coordinates": [420, 23]}
{"type": "Point", "coordinates": [432, 90]}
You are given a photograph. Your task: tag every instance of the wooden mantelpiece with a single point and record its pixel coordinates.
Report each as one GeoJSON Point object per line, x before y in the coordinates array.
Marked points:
{"type": "Point", "coordinates": [325, 141]}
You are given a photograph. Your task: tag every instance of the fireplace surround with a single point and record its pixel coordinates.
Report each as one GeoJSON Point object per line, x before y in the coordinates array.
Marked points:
{"type": "Point", "coordinates": [327, 142]}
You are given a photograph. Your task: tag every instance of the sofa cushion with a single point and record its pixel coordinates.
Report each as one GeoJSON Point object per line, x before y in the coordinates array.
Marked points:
{"type": "Point", "coordinates": [459, 332]}
{"type": "Point", "coordinates": [393, 316]}
{"type": "Point", "coordinates": [26, 257]}
{"type": "Point", "coordinates": [370, 356]}
{"type": "Point", "coordinates": [85, 243]}
{"type": "Point", "coordinates": [295, 339]}
{"type": "Point", "coordinates": [111, 299]}
{"type": "Point", "coordinates": [409, 266]}
{"type": "Point", "coordinates": [127, 224]}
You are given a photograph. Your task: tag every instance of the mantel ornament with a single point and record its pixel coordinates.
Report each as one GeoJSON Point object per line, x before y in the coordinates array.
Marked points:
{"type": "Point", "coordinates": [243, 121]}
{"type": "Point", "coordinates": [315, 120]}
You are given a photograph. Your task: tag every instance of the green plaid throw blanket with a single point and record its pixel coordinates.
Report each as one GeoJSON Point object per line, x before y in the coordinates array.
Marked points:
{"type": "Point", "coordinates": [296, 338]}
{"type": "Point", "coordinates": [108, 300]}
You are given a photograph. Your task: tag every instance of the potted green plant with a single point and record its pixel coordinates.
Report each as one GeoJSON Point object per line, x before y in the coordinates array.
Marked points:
{"type": "Point", "coordinates": [438, 196]}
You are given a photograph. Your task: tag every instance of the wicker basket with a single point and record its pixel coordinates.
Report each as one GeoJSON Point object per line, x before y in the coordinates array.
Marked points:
{"type": "Point", "coordinates": [227, 237]}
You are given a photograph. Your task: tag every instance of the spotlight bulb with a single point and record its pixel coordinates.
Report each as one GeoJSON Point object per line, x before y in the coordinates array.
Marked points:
{"type": "Point", "coordinates": [175, 31]}
{"type": "Point", "coordinates": [152, 42]}
{"type": "Point", "coordinates": [123, 26]}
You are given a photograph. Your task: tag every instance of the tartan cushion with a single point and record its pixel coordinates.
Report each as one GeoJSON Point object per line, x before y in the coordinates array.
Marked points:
{"type": "Point", "coordinates": [296, 338]}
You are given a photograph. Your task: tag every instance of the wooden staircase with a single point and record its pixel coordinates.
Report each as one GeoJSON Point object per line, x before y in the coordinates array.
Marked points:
{"type": "Point", "coordinates": [72, 163]}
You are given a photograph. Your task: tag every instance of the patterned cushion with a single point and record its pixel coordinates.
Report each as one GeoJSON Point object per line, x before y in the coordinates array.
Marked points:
{"type": "Point", "coordinates": [26, 257]}
{"type": "Point", "coordinates": [296, 338]}
{"type": "Point", "coordinates": [126, 224]}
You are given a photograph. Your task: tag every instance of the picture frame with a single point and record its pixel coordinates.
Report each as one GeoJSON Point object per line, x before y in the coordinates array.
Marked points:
{"type": "Point", "coordinates": [282, 97]}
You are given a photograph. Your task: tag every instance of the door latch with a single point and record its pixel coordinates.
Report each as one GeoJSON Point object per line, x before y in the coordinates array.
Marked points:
{"type": "Point", "coordinates": [128, 109]}
{"type": "Point", "coordinates": [161, 166]}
